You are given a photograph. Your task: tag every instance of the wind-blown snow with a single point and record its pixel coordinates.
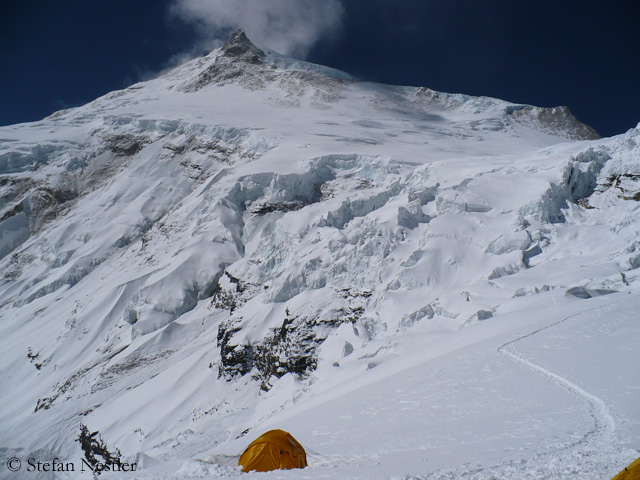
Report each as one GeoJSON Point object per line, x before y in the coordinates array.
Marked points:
{"type": "Point", "coordinates": [414, 284]}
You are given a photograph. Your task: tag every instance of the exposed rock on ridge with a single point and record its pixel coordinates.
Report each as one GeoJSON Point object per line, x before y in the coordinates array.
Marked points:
{"type": "Point", "coordinates": [237, 58]}
{"type": "Point", "coordinates": [240, 62]}
{"type": "Point", "coordinates": [239, 47]}
{"type": "Point", "coordinates": [553, 120]}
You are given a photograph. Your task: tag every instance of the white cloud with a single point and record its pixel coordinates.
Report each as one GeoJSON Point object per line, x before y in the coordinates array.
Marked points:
{"type": "Point", "coordinates": [290, 27]}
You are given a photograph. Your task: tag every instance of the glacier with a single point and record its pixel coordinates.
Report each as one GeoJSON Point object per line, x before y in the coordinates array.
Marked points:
{"type": "Point", "coordinates": [415, 284]}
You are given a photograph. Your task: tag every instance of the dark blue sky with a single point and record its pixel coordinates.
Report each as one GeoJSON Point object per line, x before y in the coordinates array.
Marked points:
{"type": "Point", "coordinates": [584, 54]}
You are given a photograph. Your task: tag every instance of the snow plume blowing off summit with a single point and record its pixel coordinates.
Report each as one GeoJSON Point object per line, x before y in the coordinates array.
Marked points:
{"type": "Point", "coordinates": [290, 27]}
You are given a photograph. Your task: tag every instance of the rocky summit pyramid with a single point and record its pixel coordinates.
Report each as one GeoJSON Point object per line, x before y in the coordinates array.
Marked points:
{"type": "Point", "coordinates": [253, 242]}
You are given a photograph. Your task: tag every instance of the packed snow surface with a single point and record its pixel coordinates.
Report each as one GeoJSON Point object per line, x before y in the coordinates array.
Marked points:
{"type": "Point", "coordinates": [414, 284]}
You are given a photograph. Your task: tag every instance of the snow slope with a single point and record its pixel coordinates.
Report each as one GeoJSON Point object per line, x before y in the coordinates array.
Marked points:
{"type": "Point", "coordinates": [414, 284]}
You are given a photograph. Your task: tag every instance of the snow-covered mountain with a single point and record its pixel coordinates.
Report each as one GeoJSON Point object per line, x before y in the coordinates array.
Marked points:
{"type": "Point", "coordinates": [415, 284]}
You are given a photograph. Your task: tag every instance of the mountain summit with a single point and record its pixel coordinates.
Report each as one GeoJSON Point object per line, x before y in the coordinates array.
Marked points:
{"type": "Point", "coordinates": [238, 60]}
{"type": "Point", "coordinates": [253, 242]}
{"type": "Point", "coordinates": [241, 62]}
{"type": "Point", "coordinates": [241, 48]}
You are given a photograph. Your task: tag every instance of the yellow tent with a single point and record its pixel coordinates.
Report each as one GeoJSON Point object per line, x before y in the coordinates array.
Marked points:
{"type": "Point", "coordinates": [274, 450]}
{"type": "Point", "coordinates": [632, 472]}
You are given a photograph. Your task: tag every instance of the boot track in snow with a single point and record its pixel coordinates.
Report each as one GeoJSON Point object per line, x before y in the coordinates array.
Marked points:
{"type": "Point", "coordinates": [584, 458]}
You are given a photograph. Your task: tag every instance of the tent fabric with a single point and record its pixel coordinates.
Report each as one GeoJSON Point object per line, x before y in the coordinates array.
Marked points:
{"type": "Point", "coordinates": [273, 450]}
{"type": "Point", "coordinates": [632, 472]}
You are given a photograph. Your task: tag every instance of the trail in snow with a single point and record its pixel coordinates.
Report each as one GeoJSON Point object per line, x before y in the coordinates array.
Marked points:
{"type": "Point", "coordinates": [604, 423]}
{"type": "Point", "coordinates": [594, 450]}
